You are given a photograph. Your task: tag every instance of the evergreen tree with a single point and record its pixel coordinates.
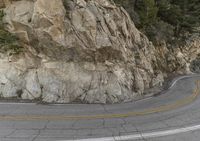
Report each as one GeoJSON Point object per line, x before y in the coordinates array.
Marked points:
{"type": "Point", "coordinates": [147, 11]}
{"type": "Point", "coordinates": [162, 19]}
{"type": "Point", "coordinates": [182, 14]}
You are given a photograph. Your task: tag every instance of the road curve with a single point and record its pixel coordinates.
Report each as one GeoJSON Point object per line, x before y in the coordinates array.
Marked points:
{"type": "Point", "coordinates": [170, 116]}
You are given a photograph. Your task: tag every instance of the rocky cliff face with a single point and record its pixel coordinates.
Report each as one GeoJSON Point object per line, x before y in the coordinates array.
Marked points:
{"type": "Point", "coordinates": [83, 51]}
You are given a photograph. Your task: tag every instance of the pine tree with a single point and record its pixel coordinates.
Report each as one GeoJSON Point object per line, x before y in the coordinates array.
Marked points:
{"type": "Point", "coordinates": [182, 14]}
{"type": "Point", "coordinates": [147, 11]}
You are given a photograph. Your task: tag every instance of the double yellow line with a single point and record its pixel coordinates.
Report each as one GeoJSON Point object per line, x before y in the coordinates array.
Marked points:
{"type": "Point", "coordinates": [163, 108]}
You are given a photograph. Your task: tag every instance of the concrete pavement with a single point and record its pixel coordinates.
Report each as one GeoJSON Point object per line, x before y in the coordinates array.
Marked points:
{"type": "Point", "coordinates": [178, 108]}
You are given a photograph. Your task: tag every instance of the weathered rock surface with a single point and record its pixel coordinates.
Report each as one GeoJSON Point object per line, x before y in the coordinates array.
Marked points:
{"type": "Point", "coordinates": [83, 51]}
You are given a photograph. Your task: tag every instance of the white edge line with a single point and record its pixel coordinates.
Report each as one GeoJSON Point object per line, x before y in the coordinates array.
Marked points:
{"type": "Point", "coordinates": [143, 135]}
{"type": "Point", "coordinates": [180, 78]}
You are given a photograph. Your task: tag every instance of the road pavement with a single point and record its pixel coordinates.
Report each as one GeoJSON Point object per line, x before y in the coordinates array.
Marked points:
{"type": "Point", "coordinates": [172, 116]}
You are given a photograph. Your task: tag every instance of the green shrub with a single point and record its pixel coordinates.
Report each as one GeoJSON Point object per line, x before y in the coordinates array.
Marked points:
{"type": "Point", "coordinates": [8, 42]}
{"type": "Point", "coordinates": [182, 14]}
{"type": "Point", "coordinates": [169, 20]}
{"type": "Point", "coordinates": [147, 11]}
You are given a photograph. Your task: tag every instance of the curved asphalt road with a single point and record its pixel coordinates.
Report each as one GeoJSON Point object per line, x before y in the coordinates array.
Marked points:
{"type": "Point", "coordinates": [173, 116]}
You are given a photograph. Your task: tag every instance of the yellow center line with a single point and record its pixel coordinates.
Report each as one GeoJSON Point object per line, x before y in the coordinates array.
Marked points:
{"type": "Point", "coordinates": [163, 108]}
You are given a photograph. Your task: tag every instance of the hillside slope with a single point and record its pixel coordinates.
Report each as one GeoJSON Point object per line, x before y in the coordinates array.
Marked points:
{"type": "Point", "coordinates": [86, 51]}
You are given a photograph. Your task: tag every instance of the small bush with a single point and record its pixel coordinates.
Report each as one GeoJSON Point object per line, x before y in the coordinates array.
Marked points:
{"type": "Point", "coordinates": [8, 42]}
